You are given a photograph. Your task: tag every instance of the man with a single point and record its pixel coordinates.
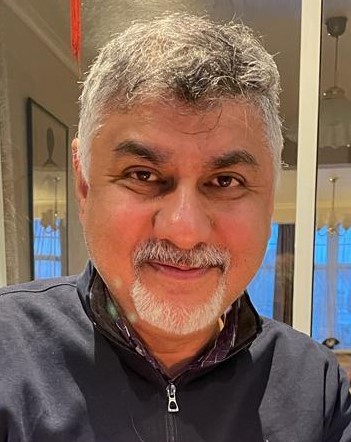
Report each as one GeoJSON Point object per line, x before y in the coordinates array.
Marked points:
{"type": "Point", "coordinates": [177, 155]}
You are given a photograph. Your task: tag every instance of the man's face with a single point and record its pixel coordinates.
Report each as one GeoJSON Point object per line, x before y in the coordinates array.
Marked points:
{"type": "Point", "coordinates": [177, 211]}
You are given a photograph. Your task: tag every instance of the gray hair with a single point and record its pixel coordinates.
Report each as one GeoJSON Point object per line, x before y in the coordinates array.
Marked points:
{"type": "Point", "coordinates": [182, 59]}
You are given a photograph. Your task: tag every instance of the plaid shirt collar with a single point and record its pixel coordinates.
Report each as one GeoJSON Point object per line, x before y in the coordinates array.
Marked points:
{"type": "Point", "coordinates": [108, 314]}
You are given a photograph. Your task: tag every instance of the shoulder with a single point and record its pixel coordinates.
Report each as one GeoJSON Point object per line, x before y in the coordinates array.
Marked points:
{"type": "Point", "coordinates": [39, 292]}
{"type": "Point", "coordinates": [280, 334]}
{"type": "Point", "coordinates": [293, 345]}
{"type": "Point", "coordinates": [37, 286]}
{"type": "Point", "coordinates": [39, 322]}
{"type": "Point", "coordinates": [307, 372]}
{"type": "Point", "coordinates": [44, 335]}
{"type": "Point", "coordinates": [294, 356]}
{"type": "Point", "coordinates": [39, 308]}
{"type": "Point", "coordinates": [296, 359]}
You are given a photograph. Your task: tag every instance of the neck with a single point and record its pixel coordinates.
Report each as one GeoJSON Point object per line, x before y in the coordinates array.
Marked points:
{"type": "Point", "coordinates": [174, 352]}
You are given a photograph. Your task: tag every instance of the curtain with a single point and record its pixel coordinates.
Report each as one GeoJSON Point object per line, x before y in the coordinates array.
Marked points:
{"type": "Point", "coordinates": [284, 274]}
{"type": "Point", "coordinates": [7, 168]}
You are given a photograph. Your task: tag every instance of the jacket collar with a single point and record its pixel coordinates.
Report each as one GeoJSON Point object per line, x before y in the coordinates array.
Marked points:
{"type": "Point", "coordinates": [248, 327]}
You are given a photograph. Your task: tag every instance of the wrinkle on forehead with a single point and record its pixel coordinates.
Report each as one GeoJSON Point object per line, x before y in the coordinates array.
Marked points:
{"type": "Point", "coordinates": [159, 118]}
{"type": "Point", "coordinates": [208, 118]}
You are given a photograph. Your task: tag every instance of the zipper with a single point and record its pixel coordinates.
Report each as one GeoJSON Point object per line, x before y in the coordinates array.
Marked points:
{"type": "Point", "coordinates": [172, 401]}
{"type": "Point", "coordinates": [172, 409]}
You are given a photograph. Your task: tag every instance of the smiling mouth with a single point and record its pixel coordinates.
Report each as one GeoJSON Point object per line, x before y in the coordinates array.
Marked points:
{"type": "Point", "coordinates": [179, 271]}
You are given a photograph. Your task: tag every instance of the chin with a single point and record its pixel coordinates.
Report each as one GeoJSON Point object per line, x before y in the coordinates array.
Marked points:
{"type": "Point", "coordinates": [175, 318]}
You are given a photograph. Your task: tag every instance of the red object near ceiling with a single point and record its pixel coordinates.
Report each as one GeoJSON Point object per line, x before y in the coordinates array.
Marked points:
{"type": "Point", "coordinates": [76, 34]}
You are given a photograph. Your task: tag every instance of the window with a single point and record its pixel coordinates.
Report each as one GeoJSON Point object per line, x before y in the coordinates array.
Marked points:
{"type": "Point", "coordinates": [261, 288]}
{"type": "Point", "coordinates": [332, 284]}
{"type": "Point", "coordinates": [47, 249]}
{"type": "Point", "coordinates": [332, 287]}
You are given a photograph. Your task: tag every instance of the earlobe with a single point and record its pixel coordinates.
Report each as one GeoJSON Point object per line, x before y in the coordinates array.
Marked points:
{"type": "Point", "coordinates": [81, 186]}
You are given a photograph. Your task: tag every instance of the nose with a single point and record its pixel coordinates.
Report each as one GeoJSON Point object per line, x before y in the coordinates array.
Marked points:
{"type": "Point", "coordinates": [183, 219]}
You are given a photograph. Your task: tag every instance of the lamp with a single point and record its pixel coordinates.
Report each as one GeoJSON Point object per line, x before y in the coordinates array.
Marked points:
{"type": "Point", "coordinates": [335, 108]}
{"type": "Point", "coordinates": [334, 223]}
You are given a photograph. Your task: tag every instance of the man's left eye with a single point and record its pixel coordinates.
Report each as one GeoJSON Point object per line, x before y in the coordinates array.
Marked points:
{"type": "Point", "coordinates": [225, 181]}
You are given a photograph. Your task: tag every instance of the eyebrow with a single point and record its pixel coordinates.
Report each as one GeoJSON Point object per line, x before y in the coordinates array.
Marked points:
{"type": "Point", "coordinates": [141, 150]}
{"type": "Point", "coordinates": [232, 158]}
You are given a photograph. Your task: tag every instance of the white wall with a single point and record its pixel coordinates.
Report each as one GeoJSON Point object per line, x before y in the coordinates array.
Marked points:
{"type": "Point", "coordinates": [35, 71]}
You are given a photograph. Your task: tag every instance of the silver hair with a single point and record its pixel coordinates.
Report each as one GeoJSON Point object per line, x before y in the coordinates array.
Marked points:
{"type": "Point", "coordinates": [184, 59]}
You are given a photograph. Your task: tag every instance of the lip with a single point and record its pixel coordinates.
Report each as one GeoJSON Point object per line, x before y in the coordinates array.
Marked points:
{"type": "Point", "coordinates": [179, 272]}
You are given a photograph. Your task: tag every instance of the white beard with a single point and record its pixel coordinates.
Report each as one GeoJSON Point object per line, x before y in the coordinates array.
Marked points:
{"type": "Point", "coordinates": [174, 318]}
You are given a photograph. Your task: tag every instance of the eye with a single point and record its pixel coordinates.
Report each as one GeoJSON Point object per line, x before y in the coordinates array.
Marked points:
{"type": "Point", "coordinates": [143, 175]}
{"type": "Point", "coordinates": [225, 181]}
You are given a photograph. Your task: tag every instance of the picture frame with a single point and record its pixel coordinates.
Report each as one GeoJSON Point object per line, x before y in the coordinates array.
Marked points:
{"type": "Point", "coordinates": [48, 207]}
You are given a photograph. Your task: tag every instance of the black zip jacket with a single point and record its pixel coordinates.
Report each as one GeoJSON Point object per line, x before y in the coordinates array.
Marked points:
{"type": "Point", "coordinates": [65, 378]}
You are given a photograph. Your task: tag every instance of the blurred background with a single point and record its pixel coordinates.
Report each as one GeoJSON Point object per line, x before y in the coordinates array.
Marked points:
{"type": "Point", "coordinates": [40, 234]}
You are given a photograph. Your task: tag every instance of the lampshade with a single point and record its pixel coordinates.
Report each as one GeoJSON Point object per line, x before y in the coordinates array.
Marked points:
{"type": "Point", "coordinates": [336, 221]}
{"type": "Point", "coordinates": [334, 119]}
{"type": "Point", "coordinates": [335, 108]}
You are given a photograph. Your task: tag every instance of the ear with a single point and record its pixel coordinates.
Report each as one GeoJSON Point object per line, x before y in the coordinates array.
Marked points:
{"type": "Point", "coordinates": [81, 186]}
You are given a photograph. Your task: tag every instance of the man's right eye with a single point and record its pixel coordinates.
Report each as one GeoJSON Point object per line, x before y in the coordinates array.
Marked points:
{"type": "Point", "coordinates": [143, 175]}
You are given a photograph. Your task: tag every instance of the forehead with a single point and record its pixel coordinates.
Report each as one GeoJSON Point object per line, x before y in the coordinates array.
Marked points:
{"type": "Point", "coordinates": [232, 120]}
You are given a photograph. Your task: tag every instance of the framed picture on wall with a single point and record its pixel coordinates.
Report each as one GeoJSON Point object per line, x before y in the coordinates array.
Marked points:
{"type": "Point", "coordinates": [47, 164]}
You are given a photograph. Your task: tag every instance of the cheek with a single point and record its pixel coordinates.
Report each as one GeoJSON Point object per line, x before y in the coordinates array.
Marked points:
{"type": "Point", "coordinates": [115, 214]}
{"type": "Point", "coordinates": [114, 227]}
{"type": "Point", "coordinates": [247, 243]}
{"type": "Point", "coordinates": [246, 231]}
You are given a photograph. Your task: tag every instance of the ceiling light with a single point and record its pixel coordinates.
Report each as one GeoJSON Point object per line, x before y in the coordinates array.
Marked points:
{"type": "Point", "coordinates": [335, 108]}
{"type": "Point", "coordinates": [336, 224]}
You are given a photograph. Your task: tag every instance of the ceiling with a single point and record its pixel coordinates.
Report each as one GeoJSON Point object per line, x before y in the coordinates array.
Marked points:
{"type": "Point", "coordinates": [277, 21]}
{"type": "Point", "coordinates": [101, 19]}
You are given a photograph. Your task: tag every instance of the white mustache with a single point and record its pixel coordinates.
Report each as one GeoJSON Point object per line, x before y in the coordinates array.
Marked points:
{"type": "Point", "coordinates": [164, 252]}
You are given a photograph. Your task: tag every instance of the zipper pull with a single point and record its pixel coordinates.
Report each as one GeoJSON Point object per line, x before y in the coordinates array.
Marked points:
{"type": "Point", "coordinates": [172, 402]}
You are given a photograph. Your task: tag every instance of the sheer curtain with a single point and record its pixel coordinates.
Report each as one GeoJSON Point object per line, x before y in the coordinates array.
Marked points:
{"type": "Point", "coordinates": [7, 169]}
{"type": "Point", "coordinates": [332, 287]}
